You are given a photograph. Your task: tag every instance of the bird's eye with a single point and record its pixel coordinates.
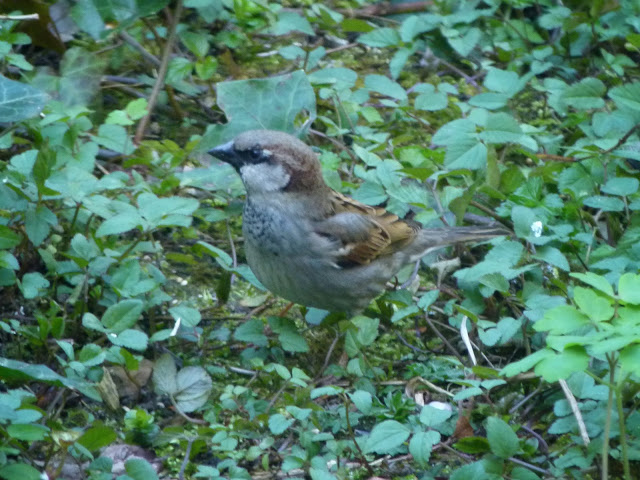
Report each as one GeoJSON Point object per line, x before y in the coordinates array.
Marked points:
{"type": "Point", "coordinates": [255, 153]}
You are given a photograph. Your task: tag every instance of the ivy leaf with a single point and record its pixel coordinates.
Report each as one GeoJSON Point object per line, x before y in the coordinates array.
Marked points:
{"type": "Point", "coordinates": [19, 101]}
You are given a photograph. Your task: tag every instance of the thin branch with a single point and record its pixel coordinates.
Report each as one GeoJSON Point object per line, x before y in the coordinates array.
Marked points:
{"type": "Point", "coordinates": [576, 411]}
{"type": "Point", "coordinates": [162, 72]}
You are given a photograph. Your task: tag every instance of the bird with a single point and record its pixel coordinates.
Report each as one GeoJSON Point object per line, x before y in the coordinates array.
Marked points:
{"type": "Point", "coordinates": [312, 245]}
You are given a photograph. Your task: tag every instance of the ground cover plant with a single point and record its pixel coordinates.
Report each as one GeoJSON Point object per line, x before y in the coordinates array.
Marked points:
{"type": "Point", "coordinates": [136, 343]}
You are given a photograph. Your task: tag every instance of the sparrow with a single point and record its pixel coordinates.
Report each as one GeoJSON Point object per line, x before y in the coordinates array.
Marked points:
{"type": "Point", "coordinates": [313, 245]}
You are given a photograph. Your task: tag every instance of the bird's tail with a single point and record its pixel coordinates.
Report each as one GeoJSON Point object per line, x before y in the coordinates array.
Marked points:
{"type": "Point", "coordinates": [430, 239]}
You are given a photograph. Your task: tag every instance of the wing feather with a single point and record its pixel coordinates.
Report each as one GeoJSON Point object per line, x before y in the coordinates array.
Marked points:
{"type": "Point", "coordinates": [364, 232]}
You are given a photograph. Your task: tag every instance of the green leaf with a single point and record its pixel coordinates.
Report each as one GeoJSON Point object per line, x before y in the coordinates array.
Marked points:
{"type": "Point", "coordinates": [122, 315]}
{"type": "Point", "coordinates": [251, 332]}
{"type": "Point", "coordinates": [527, 363]}
{"type": "Point", "coordinates": [385, 86]}
{"type": "Point", "coordinates": [194, 386]}
{"type": "Point", "coordinates": [561, 366]}
{"type": "Point", "coordinates": [503, 81]}
{"type": "Point", "coordinates": [554, 257]}
{"type": "Point", "coordinates": [33, 285]}
{"type": "Point", "coordinates": [596, 281]}
{"type": "Point", "coordinates": [622, 186]}
{"type": "Point", "coordinates": [14, 370]}
{"type": "Point", "coordinates": [8, 238]}
{"type": "Point", "coordinates": [472, 445]}
{"type": "Point", "coordinates": [561, 320]}
{"type": "Point", "coordinates": [362, 400]}
{"type": "Point", "coordinates": [139, 469]}
{"type": "Point", "coordinates": [380, 37]}
{"type": "Point", "coordinates": [630, 358]}
{"type": "Point", "coordinates": [386, 436]}
{"type": "Point", "coordinates": [597, 307]}
{"type": "Point", "coordinates": [278, 423]}
{"type": "Point", "coordinates": [431, 416]}
{"type": "Point", "coordinates": [467, 153]}
{"type": "Point", "coordinates": [502, 440]}
{"type": "Point", "coordinates": [629, 288]}
{"type": "Point", "coordinates": [96, 437]}
{"type": "Point", "coordinates": [626, 96]}
{"type": "Point", "coordinates": [131, 339]}
{"type": "Point", "coordinates": [289, 21]}
{"type": "Point", "coordinates": [19, 471]}
{"type": "Point", "coordinates": [584, 95]}
{"type": "Point", "coordinates": [28, 432]}
{"type": "Point", "coordinates": [38, 223]}
{"type": "Point", "coordinates": [421, 445]}
{"type": "Point", "coordinates": [114, 137]}
{"type": "Point", "coordinates": [120, 223]}
{"type": "Point", "coordinates": [431, 100]}
{"type": "Point", "coordinates": [606, 204]}
{"type": "Point", "coordinates": [273, 103]}
{"type": "Point", "coordinates": [164, 375]}
{"type": "Point", "coordinates": [501, 128]}
{"type": "Point", "coordinates": [19, 101]}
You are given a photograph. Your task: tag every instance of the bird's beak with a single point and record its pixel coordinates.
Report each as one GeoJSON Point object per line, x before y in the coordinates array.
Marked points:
{"type": "Point", "coordinates": [226, 153]}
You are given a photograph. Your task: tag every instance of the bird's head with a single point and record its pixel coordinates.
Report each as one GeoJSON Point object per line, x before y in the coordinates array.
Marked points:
{"type": "Point", "coordinates": [270, 161]}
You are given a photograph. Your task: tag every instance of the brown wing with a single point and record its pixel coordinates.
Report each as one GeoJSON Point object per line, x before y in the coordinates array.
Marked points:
{"type": "Point", "coordinates": [387, 233]}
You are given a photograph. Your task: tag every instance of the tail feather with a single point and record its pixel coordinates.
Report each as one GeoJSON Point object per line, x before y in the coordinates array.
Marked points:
{"type": "Point", "coordinates": [430, 239]}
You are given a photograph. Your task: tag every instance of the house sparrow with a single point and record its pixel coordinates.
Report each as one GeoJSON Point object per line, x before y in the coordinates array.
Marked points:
{"type": "Point", "coordinates": [312, 245]}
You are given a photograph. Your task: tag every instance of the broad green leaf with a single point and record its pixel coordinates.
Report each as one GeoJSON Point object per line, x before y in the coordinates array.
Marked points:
{"type": "Point", "coordinates": [527, 363]}
{"type": "Point", "coordinates": [562, 320]}
{"type": "Point", "coordinates": [38, 222]}
{"type": "Point", "coordinates": [19, 101]}
{"type": "Point", "coordinates": [33, 285]}
{"type": "Point", "coordinates": [273, 103]}
{"type": "Point", "coordinates": [630, 358]}
{"type": "Point", "coordinates": [421, 444]}
{"type": "Point", "coordinates": [595, 281]}
{"type": "Point", "coordinates": [622, 186]}
{"type": "Point", "coordinates": [501, 128]}
{"type": "Point", "coordinates": [19, 471]}
{"type": "Point", "coordinates": [597, 307]}
{"type": "Point", "coordinates": [503, 81]}
{"type": "Point", "coordinates": [139, 469]}
{"type": "Point", "coordinates": [502, 439]}
{"type": "Point", "coordinates": [362, 400]}
{"type": "Point", "coordinates": [386, 436]}
{"type": "Point", "coordinates": [561, 366]}
{"type": "Point", "coordinates": [629, 288]}
{"type": "Point", "coordinates": [120, 223]}
{"type": "Point", "coordinates": [131, 339]}
{"type": "Point", "coordinates": [122, 315]}
{"type": "Point", "coordinates": [626, 96]}
{"type": "Point", "coordinates": [8, 238]}
{"type": "Point", "coordinates": [432, 416]}
{"type": "Point", "coordinates": [278, 423]}
{"type": "Point", "coordinates": [554, 257]}
{"type": "Point", "coordinates": [97, 437]}
{"type": "Point", "coordinates": [194, 386]}
{"type": "Point", "coordinates": [606, 204]}
{"type": "Point", "coordinates": [380, 37]}
{"type": "Point", "coordinates": [164, 375]}
{"type": "Point", "coordinates": [584, 95]}
{"type": "Point", "coordinates": [289, 21]}
{"type": "Point", "coordinates": [28, 432]}
{"type": "Point", "coordinates": [385, 86]}
{"type": "Point", "coordinates": [251, 332]}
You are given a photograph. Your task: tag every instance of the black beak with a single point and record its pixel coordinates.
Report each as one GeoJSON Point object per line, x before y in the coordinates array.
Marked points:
{"type": "Point", "coordinates": [226, 153]}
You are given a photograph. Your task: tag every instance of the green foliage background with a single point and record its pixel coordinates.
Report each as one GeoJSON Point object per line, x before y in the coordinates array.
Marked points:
{"type": "Point", "coordinates": [129, 317]}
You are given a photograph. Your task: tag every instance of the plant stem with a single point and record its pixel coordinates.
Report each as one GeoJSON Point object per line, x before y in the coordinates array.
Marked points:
{"type": "Point", "coordinates": [623, 432]}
